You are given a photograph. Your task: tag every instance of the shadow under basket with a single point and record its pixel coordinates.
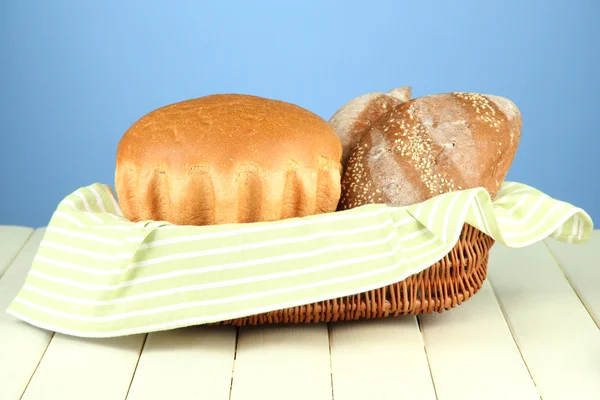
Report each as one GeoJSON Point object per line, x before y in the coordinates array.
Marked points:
{"type": "Point", "coordinates": [442, 286]}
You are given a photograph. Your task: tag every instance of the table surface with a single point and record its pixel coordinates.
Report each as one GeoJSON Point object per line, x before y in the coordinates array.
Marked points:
{"type": "Point", "coordinates": [531, 332]}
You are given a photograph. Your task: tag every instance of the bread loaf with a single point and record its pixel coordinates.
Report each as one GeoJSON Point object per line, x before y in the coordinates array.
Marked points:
{"type": "Point", "coordinates": [225, 159]}
{"type": "Point", "coordinates": [355, 117]}
{"type": "Point", "coordinates": [433, 145]}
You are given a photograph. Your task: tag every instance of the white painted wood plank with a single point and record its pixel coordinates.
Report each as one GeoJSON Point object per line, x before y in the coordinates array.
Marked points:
{"type": "Point", "coordinates": [190, 363]}
{"type": "Point", "coordinates": [557, 337]}
{"type": "Point", "coordinates": [472, 354]}
{"type": "Point", "coordinates": [379, 359]}
{"type": "Point", "coordinates": [581, 265]}
{"type": "Point", "coordinates": [282, 362]}
{"type": "Point", "coordinates": [21, 345]}
{"type": "Point", "coordinates": [79, 368]}
{"type": "Point", "coordinates": [12, 240]}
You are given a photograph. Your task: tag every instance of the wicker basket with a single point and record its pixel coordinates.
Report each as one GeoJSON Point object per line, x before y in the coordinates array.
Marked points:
{"type": "Point", "coordinates": [447, 283]}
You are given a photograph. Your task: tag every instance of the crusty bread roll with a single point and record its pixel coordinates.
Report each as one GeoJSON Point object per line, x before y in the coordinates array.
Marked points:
{"type": "Point", "coordinates": [355, 117]}
{"type": "Point", "coordinates": [433, 145]}
{"type": "Point", "coordinates": [225, 159]}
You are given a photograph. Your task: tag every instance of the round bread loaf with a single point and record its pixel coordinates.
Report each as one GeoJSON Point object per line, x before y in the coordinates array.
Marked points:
{"type": "Point", "coordinates": [228, 158]}
{"type": "Point", "coordinates": [355, 117]}
{"type": "Point", "coordinates": [433, 145]}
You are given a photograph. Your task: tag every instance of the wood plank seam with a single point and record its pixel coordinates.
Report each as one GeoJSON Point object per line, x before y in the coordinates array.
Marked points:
{"type": "Point", "coordinates": [235, 348]}
{"type": "Point", "coordinates": [330, 359]}
{"type": "Point", "coordinates": [18, 252]}
{"type": "Point", "coordinates": [510, 329]}
{"type": "Point", "coordinates": [418, 318]}
{"type": "Point", "coordinates": [51, 337]}
{"type": "Point", "coordinates": [566, 275]}
{"type": "Point", "coordinates": [136, 365]}
{"type": "Point", "coordinates": [36, 367]}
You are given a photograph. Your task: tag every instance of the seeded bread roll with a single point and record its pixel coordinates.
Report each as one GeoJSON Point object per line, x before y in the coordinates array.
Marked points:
{"type": "Point", "coordinates": [433, 145]}
{"type": "Point", "coordinates": [228, 158]}
{"type": "Point", "coordinates": [355, 117]}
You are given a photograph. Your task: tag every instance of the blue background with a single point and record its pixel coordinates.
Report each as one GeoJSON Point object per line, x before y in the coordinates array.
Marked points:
{"type": "Point", "coordinates": [75, 75]}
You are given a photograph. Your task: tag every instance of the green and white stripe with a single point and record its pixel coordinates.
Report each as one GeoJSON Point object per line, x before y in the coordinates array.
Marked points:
{"type": "Point", "coordinates": [96, 274]}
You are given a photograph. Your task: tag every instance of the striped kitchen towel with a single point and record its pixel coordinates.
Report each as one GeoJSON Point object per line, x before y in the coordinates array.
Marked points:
{"type": "Point", "coordinates": [96, 274]}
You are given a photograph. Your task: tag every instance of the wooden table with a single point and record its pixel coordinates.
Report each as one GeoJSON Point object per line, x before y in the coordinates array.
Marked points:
{"type": "Point", "coordinates": [532, 331]}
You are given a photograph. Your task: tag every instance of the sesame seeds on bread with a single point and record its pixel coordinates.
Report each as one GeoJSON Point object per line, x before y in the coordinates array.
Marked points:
{"type": "Point", "coordinates": [433, 145]}
{"type": "Point", "coordinates": [355, 117]}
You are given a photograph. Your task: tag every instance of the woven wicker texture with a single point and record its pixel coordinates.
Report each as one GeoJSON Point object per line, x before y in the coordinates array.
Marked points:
{"type": "Point", "coordinates": [442, 286]}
